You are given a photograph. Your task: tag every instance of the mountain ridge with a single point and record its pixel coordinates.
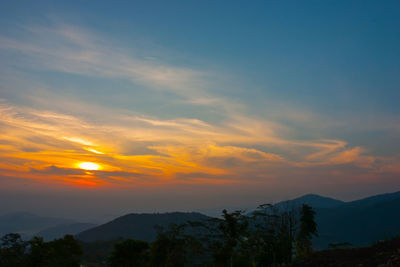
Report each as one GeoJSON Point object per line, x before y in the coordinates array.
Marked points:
{"type": "Point", "coordinates": [137, 226]}
{"type": "Point", "coordinates": [58, 231]}
{"type": "Point", "coordinates": [27, 223]}
{"type": "Point", "coordinates": [314, 200]}
{"type": "Point", "coordinates": [359, 222]}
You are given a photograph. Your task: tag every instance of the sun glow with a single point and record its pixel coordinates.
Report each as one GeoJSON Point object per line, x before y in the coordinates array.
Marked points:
{"type": "Point", "coordinates": [90, 166]}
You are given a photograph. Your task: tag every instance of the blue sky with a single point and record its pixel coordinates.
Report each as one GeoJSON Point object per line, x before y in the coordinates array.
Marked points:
{"type": "Point", "coordinates": [267, 96]}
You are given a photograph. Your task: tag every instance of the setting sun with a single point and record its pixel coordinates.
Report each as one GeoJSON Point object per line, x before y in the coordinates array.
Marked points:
{"type": "Point", "coordinates": [90, 166]}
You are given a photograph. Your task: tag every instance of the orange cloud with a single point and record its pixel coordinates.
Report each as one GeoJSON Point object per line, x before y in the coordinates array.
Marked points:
{"type": "Point", "coordinates": [136, 149]}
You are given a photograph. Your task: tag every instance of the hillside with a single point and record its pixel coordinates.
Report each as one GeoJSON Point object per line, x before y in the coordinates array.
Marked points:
{"type": "Point", "coordinates": [137, 226]}
{"type": "Point", "coordinates": [360, 222]}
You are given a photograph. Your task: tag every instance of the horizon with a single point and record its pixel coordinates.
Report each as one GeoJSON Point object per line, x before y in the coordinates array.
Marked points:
{"type": "Point", "coordinates": [212, 212]}
{"type": "Point", "coordinates": [108, 108]}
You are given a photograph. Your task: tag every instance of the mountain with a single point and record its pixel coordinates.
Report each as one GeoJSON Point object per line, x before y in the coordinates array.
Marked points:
{"type": "Point", "coordinates": [27, 224]}
{"type": "Point", "coordinates": [359, 222]}
{"type": "Point", "coordinates": [315, 201]}
{"type": "Point", "coordinates": [138, 226]}
{"type": "Point", "coordinates": [375, 199]}
{"type": "Point", "coordinates": [59, 231]}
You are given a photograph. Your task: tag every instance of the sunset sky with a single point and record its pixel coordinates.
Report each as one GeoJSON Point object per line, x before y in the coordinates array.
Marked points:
{"type": "Point", "coordinates": [109, 107]}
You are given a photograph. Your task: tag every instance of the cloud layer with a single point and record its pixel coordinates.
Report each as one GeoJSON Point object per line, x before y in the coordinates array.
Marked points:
{"type": "Point", "coordinates": [46, 133]}
{"type": "Point", "coordinates": [42, 144]}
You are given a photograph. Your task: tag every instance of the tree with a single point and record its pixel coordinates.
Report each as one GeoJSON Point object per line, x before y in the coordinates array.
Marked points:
{"type": "Point", "coordinates": [272, 235]}
{"type": "Point", "coordinates": [308, 228]}
{"type": "Point", "coordinates": [230, 239]}
{"type": "Point", "coordinates": [169, 249]}
{"type": "Point", "coordinates": [63, 252]}
{"type": "Point", "coordinates": [12, 250]}
{"type": "Point", "coordinates": [128, 253]}
{"type": "Point", "coordinates": [38, 252]}
{"type": "Point", "coordinates": [288, 220]}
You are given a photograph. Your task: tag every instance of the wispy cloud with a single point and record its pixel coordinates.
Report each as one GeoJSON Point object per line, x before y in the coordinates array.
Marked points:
{"type": "Point", "coordinates": [139, 147]}
{"type": "Point", "coordinates": [75, 50]}
{"type": "Point", "coordinates": [134, 147]}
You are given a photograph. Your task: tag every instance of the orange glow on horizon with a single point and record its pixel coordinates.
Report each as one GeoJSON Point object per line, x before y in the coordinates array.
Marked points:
{"type": "Point", "coordinates": [136, 151]}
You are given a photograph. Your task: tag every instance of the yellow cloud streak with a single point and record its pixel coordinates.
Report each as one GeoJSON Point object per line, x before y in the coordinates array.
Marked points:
{"type": "Point", "coordinates": [38, 139]}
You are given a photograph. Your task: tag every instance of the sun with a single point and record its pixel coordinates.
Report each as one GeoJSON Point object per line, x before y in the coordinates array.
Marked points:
{"type": "Point", "coordinates": [90, 166]}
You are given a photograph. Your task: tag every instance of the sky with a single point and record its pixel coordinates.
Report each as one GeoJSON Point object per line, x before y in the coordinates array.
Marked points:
{"type": "Point", "coordinates": [109, 107]}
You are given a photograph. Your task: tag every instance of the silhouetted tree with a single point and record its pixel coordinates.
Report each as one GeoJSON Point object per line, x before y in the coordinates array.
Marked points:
{"type": "Point", "coordinates": [224, 240]}
{"type": "Point", "coordinates": [129, 253]}
{"type": "Point", "coordinates": [266, 238]}
{"type": "Point", "coordinates": [63, 252]}
{"type": "Point", "coordinates": [38, 253]}
{"type": "Point", "coordinates": [286, 233]}
{"type": "Point", "coordinates": [12, 250]}
{"type": "Point", "coordinates": [308, 228]}
{"type": "Point", "coordinates": [98, 252]}
{"type": "Point", "coordinates": [233, 228]}
{"type": "Point", "coordinates": [169, 249]}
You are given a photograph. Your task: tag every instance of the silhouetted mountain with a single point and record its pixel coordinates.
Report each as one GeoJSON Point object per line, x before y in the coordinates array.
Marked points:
{"type": "Point", "coordinates": [375, 199]}
{"type": "Point", "coordinates": [27, 224]}
{"type": "Point", "coordinates": [359, 222]}
{"type": "Point", "coordinates": [138, 226]}
{"type": "Point", "coordinates": [312, 200]}
{"type": "Point", "coordinates": [60, 231]}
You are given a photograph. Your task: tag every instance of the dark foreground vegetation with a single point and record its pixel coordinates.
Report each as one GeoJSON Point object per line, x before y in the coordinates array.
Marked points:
{"type": "Point", "coordinates": [358, 223]}
{"type": "Point", "coordinates": [382, 254]}
{"type": "Point", "coordinates": [267, 237]}
{"type": "Point", "coordinates": [270, 236]}
{"type": "Point", "coordinates": [63, 252]}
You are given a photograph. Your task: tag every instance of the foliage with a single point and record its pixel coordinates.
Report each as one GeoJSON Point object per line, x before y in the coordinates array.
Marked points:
{"type": "Point", "coordinates": [129, 252]}
{"type": "Point", "coordinates": [232, 233]}
{"type": "Point", "coordinates": [269, 236]}
{"type": "Point", "coordinates": [265, 238]}
{"type": "Point", "coordinates": [97, 253]}
{"type": "Point", "coordinates": [172, 247]}
{"type": "Point", "coordinates": [61, 252]}
{"type": "Point", "coordinates": [12, 250]}
{"type": "Point", "coordinates": [272, 235]}
{"type": "Point", "coordinates": [308, 228]}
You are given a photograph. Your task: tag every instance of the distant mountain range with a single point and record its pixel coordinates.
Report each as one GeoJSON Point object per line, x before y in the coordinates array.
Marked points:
{"type": "Point", "coordinates": [29, 225]}
{"type": "Point", "coordinates": [59, 231]}
{"type": "Point", "coordinates": [359, 222]}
